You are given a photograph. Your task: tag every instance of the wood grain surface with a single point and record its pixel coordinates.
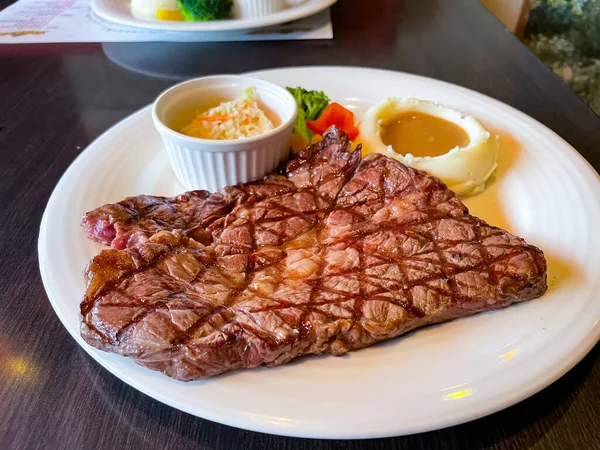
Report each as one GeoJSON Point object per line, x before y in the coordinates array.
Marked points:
{"type": "Point", "coordinates": [55, 99]}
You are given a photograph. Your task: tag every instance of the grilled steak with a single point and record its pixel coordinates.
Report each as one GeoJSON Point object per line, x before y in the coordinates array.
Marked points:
{"type": "Point", "coordinates": [199, 214]}
{"type": "Point", "coordinates": [344, 257]}
{"type": "Point", "coordinates": [133, 220]}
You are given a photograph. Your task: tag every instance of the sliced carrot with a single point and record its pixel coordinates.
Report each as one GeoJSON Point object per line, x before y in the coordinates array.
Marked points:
{"type": "Point", "coordinates": [216, 118]}
{"type": "Point", "coordinates": [335, 114]}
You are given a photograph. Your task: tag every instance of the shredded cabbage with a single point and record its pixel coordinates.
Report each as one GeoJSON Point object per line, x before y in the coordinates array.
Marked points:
{"type": "Point", "coordinates": [237, 119]}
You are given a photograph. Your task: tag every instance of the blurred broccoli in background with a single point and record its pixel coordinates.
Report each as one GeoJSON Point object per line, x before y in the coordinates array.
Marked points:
{"type": "Point", "coordinates": [202, 10]}
{"type": "Point", "coordinates": [565, 34]}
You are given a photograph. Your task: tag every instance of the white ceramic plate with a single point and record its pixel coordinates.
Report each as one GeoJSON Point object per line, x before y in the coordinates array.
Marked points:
{"type": "Point", "coordinates": [432, 378]}
{"type": "Point", "coordinates": [118, 11]}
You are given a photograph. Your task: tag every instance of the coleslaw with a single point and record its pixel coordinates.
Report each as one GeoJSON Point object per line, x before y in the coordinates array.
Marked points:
{"type": "Point", "coordinates": [237, 119]}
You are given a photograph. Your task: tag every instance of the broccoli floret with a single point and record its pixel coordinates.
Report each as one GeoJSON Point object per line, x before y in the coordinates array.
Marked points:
{"type": "Point", "coordinates": [203, 10]}
{"type": "Point", "coordinates": [310, 106]}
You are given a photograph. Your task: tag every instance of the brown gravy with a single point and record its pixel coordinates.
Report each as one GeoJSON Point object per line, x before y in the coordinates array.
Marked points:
{"type": "Point", "coordinates": [422, 134]}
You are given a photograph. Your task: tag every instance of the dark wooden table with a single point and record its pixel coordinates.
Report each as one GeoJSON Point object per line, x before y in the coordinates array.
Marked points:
{"type": "Point", "coordinates": [55, 99]}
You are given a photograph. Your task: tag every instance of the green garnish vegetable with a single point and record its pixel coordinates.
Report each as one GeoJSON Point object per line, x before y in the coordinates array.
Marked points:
{"type": "Point", "coordinates": [203, 10]}
{"type": "Point", "coordinates": [310, 106]}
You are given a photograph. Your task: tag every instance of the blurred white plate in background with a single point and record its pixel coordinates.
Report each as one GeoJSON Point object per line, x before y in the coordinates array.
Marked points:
{"type": "Point", "coordinates": [118, 11]}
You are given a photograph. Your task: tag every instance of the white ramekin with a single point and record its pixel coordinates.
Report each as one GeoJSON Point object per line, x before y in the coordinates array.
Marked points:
{"type": "Point", "coordinates": [250, 9]}
{"type": "Point", "coordinates": [211, 164]}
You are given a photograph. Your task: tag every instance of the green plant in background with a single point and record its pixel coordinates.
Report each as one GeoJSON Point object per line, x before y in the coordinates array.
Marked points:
{"type": "Point", "coordinates": [585, 29]}
{"type": "Point", "coordinates": [565, 34]}
{"type": "Point", "coordinates": [552, 16]}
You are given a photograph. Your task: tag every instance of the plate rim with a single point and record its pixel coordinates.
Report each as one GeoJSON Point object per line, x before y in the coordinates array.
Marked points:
{"type": "Point", "coordinates": [312, 7]}
{"type": "Point", "coordinates": [582, 349]}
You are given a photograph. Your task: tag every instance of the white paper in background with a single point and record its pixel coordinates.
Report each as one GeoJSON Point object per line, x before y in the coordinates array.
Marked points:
{"type": "Point", "coordinates": [53, 21]}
